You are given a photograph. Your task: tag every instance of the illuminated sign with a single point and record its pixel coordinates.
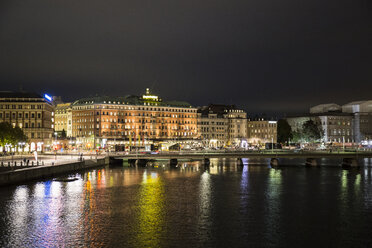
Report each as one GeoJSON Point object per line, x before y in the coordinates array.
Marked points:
{"type": "Point", "coordinates": [49, 98]}
{"type": "Point", "coordinates": [150, 97]}
{"type": "Point", "coordinates": [272, 122]}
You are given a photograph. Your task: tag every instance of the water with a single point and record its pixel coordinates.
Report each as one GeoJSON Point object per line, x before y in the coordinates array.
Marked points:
{"type": "Point", "coordinates": [225, 206]}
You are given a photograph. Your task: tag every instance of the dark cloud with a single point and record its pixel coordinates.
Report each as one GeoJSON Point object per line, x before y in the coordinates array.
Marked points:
{"type": "Point", "coordinates": [263, 55]}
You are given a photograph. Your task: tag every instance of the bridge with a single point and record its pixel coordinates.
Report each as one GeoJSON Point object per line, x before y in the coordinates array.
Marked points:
{"type": "Point", "coordinates": [349, 158]}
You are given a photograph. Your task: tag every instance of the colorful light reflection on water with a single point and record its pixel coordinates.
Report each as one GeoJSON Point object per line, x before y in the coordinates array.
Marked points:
{"type": "Point", "coordinates": [225, 205]}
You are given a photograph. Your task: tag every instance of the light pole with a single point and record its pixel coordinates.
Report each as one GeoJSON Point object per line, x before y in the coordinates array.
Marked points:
{"type": "Point", "coordinates": [11, 151]}
{"type": "Point", "coordinates": [55, 143]}
{"type": "Point", "coordinates": [343, 143]}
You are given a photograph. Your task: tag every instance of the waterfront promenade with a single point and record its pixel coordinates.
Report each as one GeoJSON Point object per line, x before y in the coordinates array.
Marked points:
{"type": "Point", "coordinates": [44, 159]}
{"type": "Point", "coordinates": [13, 170]}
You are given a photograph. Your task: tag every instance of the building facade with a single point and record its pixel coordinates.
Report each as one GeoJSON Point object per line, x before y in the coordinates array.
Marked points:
{"type": "Point", "coordinates": [261, 131]}
{"type": "Point", "coordinates": [31, 112]}
{"type": "Point", "coordinates": [336, 126]}
{"type": "Point", "coordinates": [212, 128]}
{"type": "Point", "coordinates": [132, 120]}
{"type": "Point", "coordinates": [362, 120]}
{"type": "Point", "coordinates": [63, 119]}
{"type": "Point", "coordinates": [237, 127]}
{"type": "Point", "coordinates": [234, 126]}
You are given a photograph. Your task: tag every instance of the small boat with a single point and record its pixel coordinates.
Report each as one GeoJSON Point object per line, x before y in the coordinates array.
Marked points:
{"type": "Point", "coordinates": [66, 179]}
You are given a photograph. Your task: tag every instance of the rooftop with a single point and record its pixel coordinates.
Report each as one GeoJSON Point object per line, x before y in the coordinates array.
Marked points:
{"type": "Point", "coordinates": [146, 99]}
{"type": "Point", "coordinates": [318, 114]}
{"type": "Point", "coordinates": [11, 94]}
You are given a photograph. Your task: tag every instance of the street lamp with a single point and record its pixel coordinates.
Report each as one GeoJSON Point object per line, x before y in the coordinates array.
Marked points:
{"type": "Point", "coordinates": [343, 143]}
{"type": "Point", "coordinates": [55, 143]}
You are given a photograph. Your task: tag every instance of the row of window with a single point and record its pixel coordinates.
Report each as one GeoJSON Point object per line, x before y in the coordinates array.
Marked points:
{"type": "Point", "coordinates": [340, 131]}
{"type": "Point", "coordinates": [182, 110]}
{"type": "Point", "coordinates": [264, 131]}
{"type": "Point", "coordinates": [136, 114]}
{"type": "Point", "coordinates": [20, 106]}
{"type": "Point", "coordinates": [37, 135]}
{"type": "Point", "coordinates": [133, 121]}
{"type": "Point", "coordinates": [337, 123]}
{"type": "Point", "coordinates": [211, 123]}
{"type": "Point", "coordinates": [206, 129]}
{"type": "Point", "coordinates": [20, 115]}
{"type": "Point", "coordinates": [219, 136]}
{"type": "Point", "coordinates": [132, 127]}
{"type": "Point", "coordinates": [135, 136]}
{"type": "Point", "coordinates": [262, 125]}
{"type": "Point", "coordinates": [28, 125]}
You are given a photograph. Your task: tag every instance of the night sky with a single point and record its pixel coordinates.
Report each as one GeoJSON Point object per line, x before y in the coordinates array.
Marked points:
{"type": "Point", "coordinates": [270, 56]}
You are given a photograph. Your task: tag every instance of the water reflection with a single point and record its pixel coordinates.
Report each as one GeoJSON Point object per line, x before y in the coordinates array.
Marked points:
{"type": "Point", "coordinates": [204, 217]}
{"type": "Point", "coordinates": [151, 211]}
{"type": "Point", "coordinates": [192, 206]}
{"type": "Point", "coordinates": [18, 215]}
{"type": "Point", "coordinates": [273, 206]}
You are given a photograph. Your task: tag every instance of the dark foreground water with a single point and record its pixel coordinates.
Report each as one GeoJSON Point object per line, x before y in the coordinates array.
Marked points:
{"type": "Point", "coordinates": [225, 206]}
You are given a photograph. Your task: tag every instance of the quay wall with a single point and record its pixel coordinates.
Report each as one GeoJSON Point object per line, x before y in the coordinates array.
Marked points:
{"type": "Point", "coordinates": [43, 172]}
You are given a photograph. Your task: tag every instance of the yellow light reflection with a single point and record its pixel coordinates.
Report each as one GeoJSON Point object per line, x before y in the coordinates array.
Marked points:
{"type": "Point", "coordinates": [275, 177]}
{"type": "Point", "coordinates": [151, 211]}
{"type": "Point", "coordinates": [344, 179]}
{"type": "Point", "coordinates": [273, 199]}
{"type": "Point", "coordinates": [357, 180]}
{"type": "Point", "coordinates": [357, 184]}
{"type": "Point", "coordinates": [205, 203]}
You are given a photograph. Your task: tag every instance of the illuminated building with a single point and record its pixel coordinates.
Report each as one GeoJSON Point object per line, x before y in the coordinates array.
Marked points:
{"type": "Point", "coordinates": [63, 118]}
{"type": "Point", "coordinates": [232, 131]}
{"type": "Point", "coordinates": [362, 120]}
{"type": "Point", "coordinates": [132, 120]}
{"type": "Point", "coordinates": [31, 112]}
{"type": "Point", "coordinates": [212, 128]}
{"type": "Point", "coordinates": [261, 131]}
{"type": "Point", "coordinates": [336, 125]}
{"type": "Point", "coordinates": [348, 123]}
{"type": "Point", "coordinates": [237, 126]}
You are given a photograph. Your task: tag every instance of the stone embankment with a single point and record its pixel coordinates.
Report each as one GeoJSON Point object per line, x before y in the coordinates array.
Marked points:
{"type": "Point", "coordinates": [43, 172]}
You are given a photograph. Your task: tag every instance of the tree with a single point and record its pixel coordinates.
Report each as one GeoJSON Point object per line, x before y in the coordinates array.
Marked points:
{"type": "Point", "coordinates": [311, 131]}
{"type": "Point", "coordinates": [297, 136]}
{"type": "Point", "coordinates": [11, 135]}
{"type": "Point", "coordinates": [284, 131]}
{"type": "Point", "coordinates": [63, 133]}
